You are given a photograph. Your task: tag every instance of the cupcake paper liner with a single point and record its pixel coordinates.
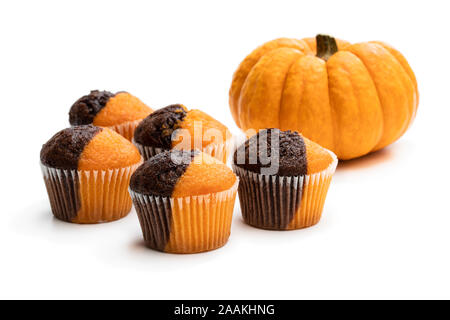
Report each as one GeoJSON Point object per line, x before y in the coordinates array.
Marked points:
{"type": "Point", "coordinates": [126, 129]}
{"type": "Point", "coordinates": [219, 151]}
{"type": "Point", "coordinates": [283, 203]}
{"type": "Point", "coordinates": [83, 196]}
{"type": "Point", "coordinates": [147, 152]}
{"type": "Point", "coordinates": [186, 224]}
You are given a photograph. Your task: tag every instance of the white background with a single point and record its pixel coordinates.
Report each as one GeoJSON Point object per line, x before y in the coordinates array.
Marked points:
{"type": "Point", "coordinates": [385, 231]}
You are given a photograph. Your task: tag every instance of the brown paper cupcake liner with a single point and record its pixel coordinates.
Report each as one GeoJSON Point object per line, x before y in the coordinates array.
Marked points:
{"type": "Point", "coordinates": [186, 224]}
{"type": "Point", "coordinates": [283, 203]}
{"type": "Point", "coordinates": [126, 129]}
{"type": "Point", "coordinates": [83, 196]}
{"type": "Point", "coordinates": [219, 151]}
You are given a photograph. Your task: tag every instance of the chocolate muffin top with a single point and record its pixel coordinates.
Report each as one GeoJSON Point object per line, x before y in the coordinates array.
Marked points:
{"type": "Point", "coordinates": [156, 130]}
{"type": "Point", "coordinates": [64, 149]}
{"type": "Point", "coordinates": [84, 110]}
{"type": "Point", "coordinates": [159, 175]}
{"type": "Point", "coordinates": [271, 148]}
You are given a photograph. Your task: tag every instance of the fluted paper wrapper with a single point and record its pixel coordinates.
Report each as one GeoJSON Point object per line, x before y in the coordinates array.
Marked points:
{"type": "Point", "coordinates": [89, 196]}
{"type": "Point", "coordinates": [283, 203]}
{"type": "Point", "coordinates": [126, 129]}
{"type": "Point", "coordinates": [186, 224]}
{"type": "Point", "coordinates": [219, 151]}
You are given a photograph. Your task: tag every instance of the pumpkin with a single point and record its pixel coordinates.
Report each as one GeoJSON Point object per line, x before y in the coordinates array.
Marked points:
{"type": "Point", "coordinates": [350, 98]}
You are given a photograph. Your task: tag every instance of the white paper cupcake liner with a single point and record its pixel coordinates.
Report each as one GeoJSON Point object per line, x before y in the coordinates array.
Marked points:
{"type": "Point", "coordinates": [147, 152]}
{"type": "Point", "coordinates": [126, 129]}
{"type": "Point", "coordinates": [188, 224]}
{"type": "Point", "coordinates": [283, 202]}
{"type": "Point", "coordinates": [83, 196]}
{"type": "Point", "coordinates": [219, 151]}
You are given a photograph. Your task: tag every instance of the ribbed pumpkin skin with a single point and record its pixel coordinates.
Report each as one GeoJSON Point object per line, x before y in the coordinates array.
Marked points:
{"type": "Point", "coordinates": [359, 100]}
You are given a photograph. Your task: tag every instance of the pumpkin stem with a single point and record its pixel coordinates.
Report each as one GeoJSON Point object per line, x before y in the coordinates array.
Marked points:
{"type": "Point", "coordinates": [326, 46]}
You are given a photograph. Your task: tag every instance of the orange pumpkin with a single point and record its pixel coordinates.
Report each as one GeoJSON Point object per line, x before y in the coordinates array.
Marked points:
{"type": "Point", "coordinates": [350, 98]}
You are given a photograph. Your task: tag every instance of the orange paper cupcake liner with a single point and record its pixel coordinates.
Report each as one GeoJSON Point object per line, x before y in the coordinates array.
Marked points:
{"type": "Point", "coordinates": [219, 151]}
{"type": "Point", "coordinates": [188, 224]}
{"type": "Point", "coordinates": [83, 196]}
{"type": "Point", "coordinates": [126, 129]}
{"type": "Point", "coordinates": [283, 203]}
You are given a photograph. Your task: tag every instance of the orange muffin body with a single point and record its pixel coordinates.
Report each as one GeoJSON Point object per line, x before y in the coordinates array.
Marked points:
{"type": "Point", "coordinates": [97, 155]}
{"type": "Point", "coordinates": [288, 192]}
{"type": "Point", "coordinates": [204, 175]}
{"type": "Point", "coordinates": [318, 158]}
{"type": "Point", "coordinates": [211, 130]}
{"type": "Point", "coordinates": [87, 171]}
{"type": "Point", "coordinates": [314, 188]}
{"type": "Point", "coordinates": [200, 225]}
{"type": "Point", "coordinates": [123, 107]}
{"type": "Point", "coordinates": [313, 199]}
{"type": "Point", "coordinates": [176, 127]}
{"type": "Point", "coordinates": [202, 193]}
{"type": "Point", "coordinates": [121, 111]}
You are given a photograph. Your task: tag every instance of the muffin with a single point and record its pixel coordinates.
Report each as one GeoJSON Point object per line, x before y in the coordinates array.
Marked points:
{"type": "Point", "coordinates": [119, 111]}
{"type": "Point", "coordinates": [284, 179]}
{"type": "Point", "coordinates": [87, 170]}
{"type": "Point", "coordinates": [176, 127]}
{"type": "Point", "coordinates": [184, 201]}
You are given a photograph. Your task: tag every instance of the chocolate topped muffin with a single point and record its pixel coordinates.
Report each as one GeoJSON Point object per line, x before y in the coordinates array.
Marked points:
{"type": "Point", "coordinates": [84, 110]}
{"type": "Point", "coordinates": [64, 149]}
{"type": "Point", "coordinates": [176, 127]}
{"type": "Point", "coordinates": [159, 175]}
{"type": "Point", "coordinates": [284, 179]}
{"type": "Point", "coordinates": [86, 171]}
{"type": "Point", "coordinates": [156, 130]}
{"type": "Point", "coordinates": [288, 151]}
{"type": "Point", "coordinates": [119, 111]}
{"type": "Point", "coordinates": [184, 201]}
